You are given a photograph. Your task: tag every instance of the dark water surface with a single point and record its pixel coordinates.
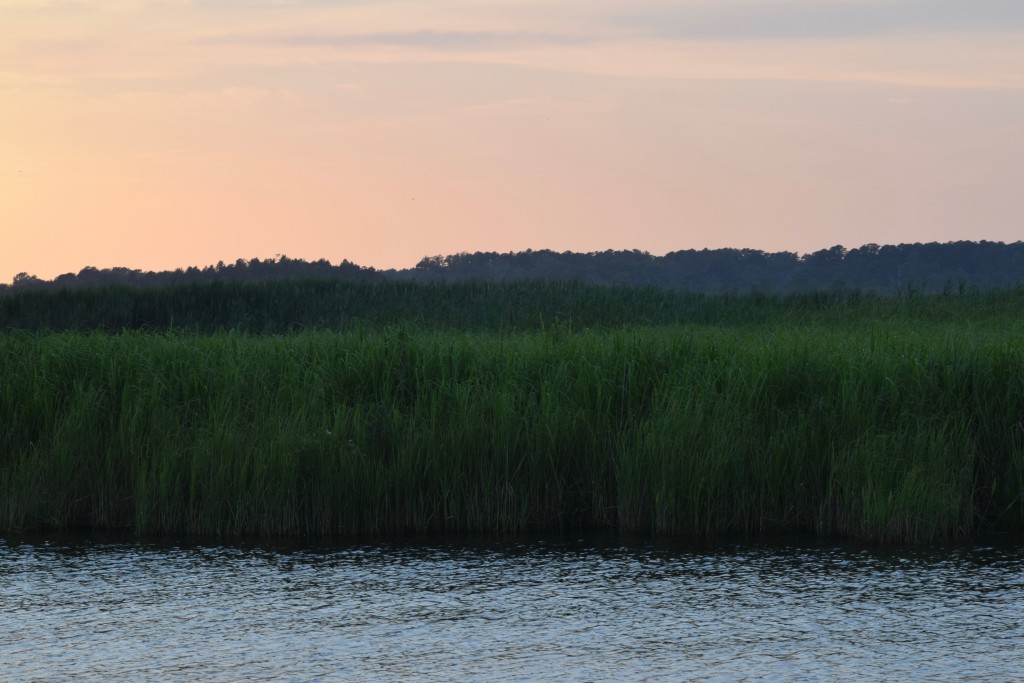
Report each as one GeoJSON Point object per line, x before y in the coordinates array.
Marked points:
{"type": "Point", "coordinates": [533, 609]}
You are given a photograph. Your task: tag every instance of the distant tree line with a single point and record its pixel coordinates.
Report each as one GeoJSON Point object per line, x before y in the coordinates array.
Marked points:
{"type": "Point", "coordinates": [929, 267]}
{"type": "Point", "coordinates": [253, 270]}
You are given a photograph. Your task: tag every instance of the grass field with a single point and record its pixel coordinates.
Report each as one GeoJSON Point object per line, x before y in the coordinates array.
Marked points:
{"type": "Point", "coordinates": [843, 418]}
{"type": "Point", "coordinates": [288, 306]}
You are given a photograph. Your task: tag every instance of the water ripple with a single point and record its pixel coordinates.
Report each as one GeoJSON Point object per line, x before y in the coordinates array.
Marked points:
{"type": "Point", "coordinates": [540, 610]}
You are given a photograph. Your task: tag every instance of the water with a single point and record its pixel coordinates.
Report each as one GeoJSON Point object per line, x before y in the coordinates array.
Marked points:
{"type": "Point", "coordinates": [538, 609]}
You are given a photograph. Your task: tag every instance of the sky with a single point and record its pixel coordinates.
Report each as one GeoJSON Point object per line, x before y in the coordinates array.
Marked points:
{"type": "Point", "coordinates": [157, 134]}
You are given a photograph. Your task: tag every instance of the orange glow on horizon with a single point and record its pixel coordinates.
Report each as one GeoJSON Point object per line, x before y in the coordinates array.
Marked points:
{"type": "Point", "coordinates": [162, 134]}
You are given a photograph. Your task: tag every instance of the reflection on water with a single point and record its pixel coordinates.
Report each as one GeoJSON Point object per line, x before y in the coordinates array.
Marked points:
{"type": "Point", "coordinates": [533, 610]}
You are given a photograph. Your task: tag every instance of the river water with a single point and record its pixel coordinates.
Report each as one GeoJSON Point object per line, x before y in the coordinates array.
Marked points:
{"type": "Point", "coordinates": [595, 609]}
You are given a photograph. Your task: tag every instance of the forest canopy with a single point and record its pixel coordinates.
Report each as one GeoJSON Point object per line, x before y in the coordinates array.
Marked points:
{"type": "Point", "coordinates": [889, 269]}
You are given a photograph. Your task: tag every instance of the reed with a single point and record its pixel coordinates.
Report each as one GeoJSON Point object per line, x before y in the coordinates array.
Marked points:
{"type": "Point", "coordinates": [881, 430]}
{"type": "Point", "coordinates": [286, 306]}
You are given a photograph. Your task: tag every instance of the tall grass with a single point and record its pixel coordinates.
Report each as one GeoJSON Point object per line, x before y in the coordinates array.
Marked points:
{"type": "Point", "coordinates": [283, 306]}
{"type": "Point", "coordinates": [882, 430]}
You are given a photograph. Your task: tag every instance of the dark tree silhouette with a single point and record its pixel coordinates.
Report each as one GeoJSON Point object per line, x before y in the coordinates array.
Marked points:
{"type": "Point", "coordinates": [930, 267]}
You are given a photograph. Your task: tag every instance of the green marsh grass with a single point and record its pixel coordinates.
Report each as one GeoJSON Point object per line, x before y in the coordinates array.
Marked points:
{"type": "Point", "coordinates": [878, 430]}
{"type": "Point", "coordinates": [288, 306]}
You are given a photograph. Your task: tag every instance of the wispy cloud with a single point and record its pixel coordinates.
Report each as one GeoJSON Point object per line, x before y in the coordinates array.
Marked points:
{"type": "Point", "coordinates": [794, 19]}
{"type": "Point", "coordinates": [427, 39]}
{"type": "Point", "coordinates": [249, 5]}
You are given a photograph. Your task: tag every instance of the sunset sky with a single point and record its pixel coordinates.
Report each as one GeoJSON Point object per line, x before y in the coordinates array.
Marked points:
{"type": "Point", "coordinates": [154, 134]}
